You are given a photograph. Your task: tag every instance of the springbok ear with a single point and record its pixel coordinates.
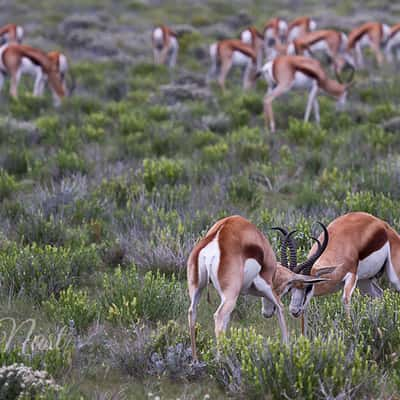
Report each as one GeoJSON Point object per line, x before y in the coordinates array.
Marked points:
{"type": "Point", "coordinates": [307, 280]}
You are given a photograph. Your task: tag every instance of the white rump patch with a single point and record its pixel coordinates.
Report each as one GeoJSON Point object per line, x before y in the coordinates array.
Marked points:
{"type": "Point", "coordinates": [158, 34]}
{"type": "Point", "coordinates": [246, 36]}
{"type": "Point", "coordinates": [63, 63]}
{"type": "Point", "coordinates": [208, 262]}
{"type": "Point", "coordinates": [371, 265]}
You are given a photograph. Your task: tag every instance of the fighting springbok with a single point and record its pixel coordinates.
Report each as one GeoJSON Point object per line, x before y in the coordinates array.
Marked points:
{"type": "Point", "coordinates": [16, 59]}
{"type": "Point", "coordinates": [331, 43]}
{"type": "Point", "coordinates": [370, 34]}
{"type": "Point", "coordinates": [300, 26]}
{"type": "Point", "coordinates": [393, 43]}
{"type": "Point", "coordinates": [238, 259]}
{"type": "Point", "coordinates": [165, 45]}
{"type": "Point", "coordinates": [289, 72]}
{"type": "Point", "coordinates": [11, 33]}
{"type": "Point", "coordinates": [360, 247]}
{"type": "Point", "coordinates": [255, 39]}
{"type": "Point", "coordinates": [229, 52]}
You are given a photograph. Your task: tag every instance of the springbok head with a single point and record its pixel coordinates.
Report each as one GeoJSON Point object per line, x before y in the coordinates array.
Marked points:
{"type": "Point", "coordinates": [301, 289]}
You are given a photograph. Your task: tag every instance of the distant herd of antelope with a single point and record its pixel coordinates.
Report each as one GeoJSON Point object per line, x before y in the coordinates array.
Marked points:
{"type": "Point", "coordinates": [289, 51]}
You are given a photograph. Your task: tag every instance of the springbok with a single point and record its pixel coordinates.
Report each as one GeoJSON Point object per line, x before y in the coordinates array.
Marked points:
{"type": "Point", "coordinates": [288, 72]}
{"type": "Point", "coordinates": [16, 59]}
{"type": "Point", "coordinates": [255, 39]}
{"type": "Point", "coordinates": [300, 26]}
{"type": "Point", "coordinates": [275, 31]}
{"type": "Point", "coordinates": [165, 45]}
{"type": "Point", "coordinates": [370, 34]}
{"type": "Point", "coordinates": [331, 43]}
{"type": "Point", "coordinates": [393, 43]}
{"type": "Point", "coordinates": [360, 247]}
{"type": "Point", "coordinates": [238, 259]}
{"type": "Point", "coordinates": [229, 52]}
{"type": "Point", "coordinates": [11, 33]}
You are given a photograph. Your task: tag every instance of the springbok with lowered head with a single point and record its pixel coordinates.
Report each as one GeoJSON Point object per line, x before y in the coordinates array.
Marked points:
{"type": "Point", "coordinates": [165, 45]}
{"type": "Point", "coordinates": [299, 72]}
{"type": "Point", "coordinates": [370, 34]}
{"type": "Point", "coordinates": [331, 43]}
{"type": "Point", "coordinates": [360, 248]}
{"type": "Point", "coordinates": [255, 39]}
{"type": "Point", "coordinates": [393, 43]}
{"type": "Point", "coordinates": [299, 27]}
{"type": "Point", "coordinates": [11, 33]}
{"type": "Point", "coordinates": [230, 52]}
{"type": "Point", "coordinates": [275, 31]}
{"type": "Point", "coordinates": [16, 59]}
{"type": "Point", "coordinates": [238, 259]}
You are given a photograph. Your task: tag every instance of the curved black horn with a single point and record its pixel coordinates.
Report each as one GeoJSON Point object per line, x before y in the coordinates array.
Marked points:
{"type": "Point", "coordinates": [289, 242]}
{"type": "Point", "coordinates": [284, 260]}
{"type": "Point", "coordinates": [307, 265]}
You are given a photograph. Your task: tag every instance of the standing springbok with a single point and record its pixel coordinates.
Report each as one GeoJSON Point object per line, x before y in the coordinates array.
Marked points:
{"type": "Point", "coordinates": [393, 43]}
{"type": "Point", "coordinates": [238, 259]}
{"type": "Point", "coordinates": [11, 33]}
{"type": "Point", "coordinates": [289, 72]}
{"type": "Point", "coordinates": [331, 43]}
{"type": "Point", "coordinates": [255, 39]}
{"type": "Point", "coordinates": [16, 59]}
{"type": "Point", "coordinates": [360, 247]}
{"type": "Point", "coordinates": [275, 31]}
{"type": "Point", "coordinates": [300, 26]}
{"type": "Point", "coordinates": [229, 52]}
{"type": "Point", "coordinates": [165, 45]}
{"type": "Point", "coordinates": [370, 34]}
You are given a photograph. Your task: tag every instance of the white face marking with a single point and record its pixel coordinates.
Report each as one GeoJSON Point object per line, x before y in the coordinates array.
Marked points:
{"type": "Point", "coordinates": [371, 265]}
{"type": "Point", "coordinates": [246, 36]}
{"type": "Point", "coordinates": [208, 262]}
{"type": "Point", "coordinates": [300, 299]}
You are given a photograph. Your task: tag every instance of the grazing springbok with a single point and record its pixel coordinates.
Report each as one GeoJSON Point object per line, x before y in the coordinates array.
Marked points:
{"type": "Point", "coordinates": [289, 72]}
{"type": "Point", "coordinates": [238, 259]}
{"type": "Point", "coordinates": [16, 59]}
{"type": "Point", "coordinates": [331, 43]}
{"type": "Point", "coordinates": [11, 33]}
{"type": "Point", "coordinates": [275, 31]}
{"type": "Point", "coordinates": [300, 26]}
{"type": "Point", "coordinates": [393, 43]}
{"type": "Point", "coordinates": [165, 45]}
{"type": "Point", "coordinates": [370, 34]}
{"type": "Point", "coordinates": [360, 248]}
{"type": "Point", "coordinates": [229, 52]}
{"type": "Point", "coordinates": [255, 39]}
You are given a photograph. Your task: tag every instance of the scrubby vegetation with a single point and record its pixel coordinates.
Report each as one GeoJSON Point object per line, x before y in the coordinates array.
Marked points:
{"type": "Point", "coordinates": [103, 198]}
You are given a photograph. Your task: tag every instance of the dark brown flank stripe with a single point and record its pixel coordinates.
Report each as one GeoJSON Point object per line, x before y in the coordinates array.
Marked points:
{"type": "Point", "coordinates": [375, 243]}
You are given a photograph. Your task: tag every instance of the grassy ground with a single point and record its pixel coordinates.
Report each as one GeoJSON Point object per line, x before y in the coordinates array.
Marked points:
{"type": "Point", "coordinates": [121, 180]}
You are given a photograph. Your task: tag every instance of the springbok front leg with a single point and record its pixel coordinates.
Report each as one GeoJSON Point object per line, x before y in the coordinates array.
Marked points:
{"type": "Point", "coordinates": [350, 283]}
{"type": "Point", "coordinates": [269, 98]}
{"type": "Point", "coordinates": [224, 70]}
{"type": "Point", "coordinates": [311, 102]}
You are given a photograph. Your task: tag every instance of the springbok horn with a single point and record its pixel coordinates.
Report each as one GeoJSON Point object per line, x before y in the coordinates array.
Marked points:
{"type": "Point", "coordinates": [307, 265]}
{"type": "Point", "coordinates": [284, 260]}
{"type": "Point", "coordinates": [289, 242]}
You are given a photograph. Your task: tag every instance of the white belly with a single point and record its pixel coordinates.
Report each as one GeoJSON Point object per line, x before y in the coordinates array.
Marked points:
{"type": "Point", "coordinates": [364, 41]}
{"type": "Point", "coordinates": [28, 67]}
{"type": "Point", "coordinates": [322, 45]}
{"type": "Point", "coordinates": [302, 81]}
{"type": "Point", "coordinates": [371, 265]}
{"type": "Point", "coordinates": [251, 270]}
{"type": "Point", "coordinates": [239, 58]}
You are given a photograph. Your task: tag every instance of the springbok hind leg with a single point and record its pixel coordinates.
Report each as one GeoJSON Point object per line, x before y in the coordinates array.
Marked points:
{"type": "Point", "coordinates": [192, 314]}
{"type": "Point", "coordinates": [350, 283]}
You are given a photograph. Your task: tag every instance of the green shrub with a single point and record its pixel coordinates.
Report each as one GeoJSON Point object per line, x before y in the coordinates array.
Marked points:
{"type": "Point", "coordinates": [127, 297]}
{"type": "Point", "coordinates": [17, 161]}
{"type": "Point", "coordinates": [49, 127]}
{"type": "Point", "coordinates": [163, 171]}
{"type": "Point", "coordinates": [132, 122]}
{"type": "Point", "coordinates": [8, 185]}
{"type": "Point", "coordinates": [214, 153]}
{"type": "Point", "coordinates": [37, 273]}
{"type": "Point", "coordinates": [71, 305]}
{"type": "Point", "coordinates": [305, 132]}
{"type": "Point", "coordinates": [305, 369]}
{"type": "Point", "coordinates": [70, 162]}
{"type": "Point", "coordinates": [28, 106]}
